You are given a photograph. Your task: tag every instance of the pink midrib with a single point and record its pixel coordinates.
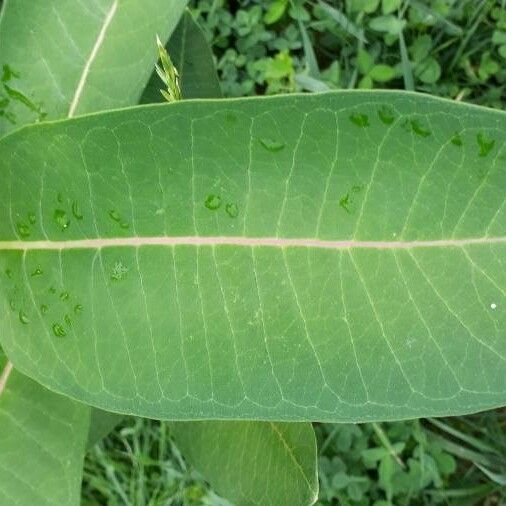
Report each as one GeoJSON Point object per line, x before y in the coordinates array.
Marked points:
{"type": "Point", "coordinates": [239, 241]}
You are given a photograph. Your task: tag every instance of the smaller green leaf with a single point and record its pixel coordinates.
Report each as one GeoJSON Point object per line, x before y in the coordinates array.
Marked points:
{"type": "Point", "coordinates": [365, 6]}
{"type": "Point", "coordinates": [382, 73]}
{"type": "Point", "coordinates": [312, 63]}
{"type": "Point", "coordinates": [42, 443]}
{"type": "Point", "coordinates": [101, 424]}
{"type": "Point", "coordinates": [265, 462]}
{"type": "Point", "coordinates": [275, 11]}
{"type": "Point", "coordinates": [342, 20]}
{"type": "Point", "coordinates": [388, 24]}
{"type": "Point", "coordinates": [428, 71]}
{"type": "Point", "coordinates": [389, 6]}
{"type": "Point", "coordinates": [366, 83]}
{"type": "Point", "coordinates": [499, 37]}
{"type": "Point", "coordinates": [420, 48]}
{"type": "Point", "coordinates": [365, 61]}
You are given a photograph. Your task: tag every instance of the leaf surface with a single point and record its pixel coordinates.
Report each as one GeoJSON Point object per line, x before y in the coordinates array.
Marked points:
{"type": "Point", "coordinates": [333, 257]}
{"type": "Point", "coordinates": [42, 441]}
{"type": "Point", "coordinates": [66, 58]}
{"type": "Point", "coordinates": [253, 462]}
{"type": "Point", "coordinates": [62, 58]}
{"type": "Point", "coordinates": [266, 462]}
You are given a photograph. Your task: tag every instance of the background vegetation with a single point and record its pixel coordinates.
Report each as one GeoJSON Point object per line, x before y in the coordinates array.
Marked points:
{"type": "Point", "coordinates": [451, 48]}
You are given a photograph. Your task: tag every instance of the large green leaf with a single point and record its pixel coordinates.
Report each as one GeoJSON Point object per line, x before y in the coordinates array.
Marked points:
{"type": "Point", "coordinates": [66, 57]}
{"type": "Point", "coordinates": [42, 442]}
{"type": "Point", "coordinates": [258, 462]}
{"type": "Point", "coordinates": [332, 257]}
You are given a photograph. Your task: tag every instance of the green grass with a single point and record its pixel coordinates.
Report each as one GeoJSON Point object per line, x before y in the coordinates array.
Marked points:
{"type": "Point", "coordinates": [451, 48]}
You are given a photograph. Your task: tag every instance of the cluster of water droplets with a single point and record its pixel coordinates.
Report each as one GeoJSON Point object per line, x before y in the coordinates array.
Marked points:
{"type": "Point", "coordinates": [63, 317]}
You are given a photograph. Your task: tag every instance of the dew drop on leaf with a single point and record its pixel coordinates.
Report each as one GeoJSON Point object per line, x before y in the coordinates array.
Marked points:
{"type": "Point", "coordinates": [61, 219]}
{"type": "Point", "coordinates": [213, 202]}
{"type": "Point", "coordinates": [386, 115]}
{"type": "Point", "coordinates": [419, 129]}
{"type": "Point", "coordinates": [78, 309]}
{"type": "Point", "coordinates": [23, 318]}
{"type": "Point", "coordinates": [76, 212]}
{"type": "Point", "coordinates": [114, 215]}
{"type": "Point", "coordinates": [59, 198]}
{"type": "Point", "coordinates": [119, 271]}
{"type": "Point", "coordinates": [344, 202]}
{"type": "Point", "coordinates": [58, 330]}
{"type": "Point", "coordinates": [44, 308]}
{"type": "Point", "coordinates": [52, 290]}
{"type": "Point", "coordinates": [359, 119]}
{"type": "Point", "coordinates": [232, 210]}
{"type": "Point", "coordinates": [31, 218]}
{"type": "Point", "coordinates": [68, 320]}
{"type": "Point", "coordinates": [8, 273]}
{"type": "Point", "coordinates": [37, 272]}
{"type": "Point", "coordinates": [64, 296]}
{"type": "Point", "coordinates": [12, 304]}
{"type": "Point", "coordinates": [272, 144]}
{"type": "Point", "coordinates": [456, 140]}
{"type": "Point", "coordinates": [486, 145]}
{"type": "Point", "coordinates": [23, 230]}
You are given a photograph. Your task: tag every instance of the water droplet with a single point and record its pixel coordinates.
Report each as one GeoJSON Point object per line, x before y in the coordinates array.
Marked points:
{"type": "Point", "coordinates": [418, 128]}
{"type": "Point", "coordinates": [12, 304]}
{"type": "Point", "coordinates": [61, 219]}
{"type": "Point", "coordinates": [76, 212]}
{"type": "Point", "coordinates": [232, 210]}
{"type": "Point", "coordinates": [486, 145]}
{"type": "Point", "coordinates": [357, 188]}
{"type": "Point", "coordinates": [344, 202]}
{"type": "Point", "coordinates": [68, 320]}
{"type": "Point", "coordinates": [59, 198]}
{"type": "Point", "coordinates": [37, 272]}
{"type": "Point", "coordinates": [8, 273]}
{"type": "Point", "coordinates": [386, 115]}
{"type": "Point", "coordinates": [58, 330]}
{"type": "Point", "coordinates": [493, 305]}
{"type": "Point", "coordinates": [272, 144]}
{"type": "Point", "coordinates": [23, 230]}
{"type": "Point", "coordinates": [52, 290]}
{"type": "Point", "coordinates": [23, 318]}
{"type": "Point", "coordinates": [64, 296]}
{"type": "Point", "coordinates": [44, 308]}
{"type": "Point", "coordinates": [456, 140]}
{"type": "Point", "coordinates": [31, 218]}
{"type": "Point", "coordinates": [119, 271]}
{"type": "Point", "coordinates": [213, 202]}
{"type": "Point", "coordinates": [114, 215]}
{"type": "Point", "coordinates": [78, 309]}
{"type": "Point", "coordinates": [359, 119]}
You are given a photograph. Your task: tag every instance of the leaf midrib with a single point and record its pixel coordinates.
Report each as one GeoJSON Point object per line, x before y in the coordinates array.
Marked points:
{"type": "Point", "coordinates": [242, 241]}
{"type": "Point", "coordinates": [4, 376]}
{"type": "Point", "coordinates": [93, 54]}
